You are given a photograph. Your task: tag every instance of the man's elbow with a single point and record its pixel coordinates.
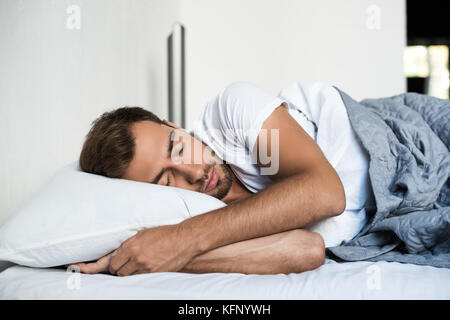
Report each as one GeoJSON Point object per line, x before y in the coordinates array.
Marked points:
{"type": "Point", "coordinates": [333, 205]}
{"type": "Point", "coordinates": [332, 194]}
{"type": "Point", "coordinates": [336, 199]}
{"type": "Point", "coordinates": [317, 251]}
{"type": "Point", "coordinates": [312, 254]}
{"type": "Point", "coordinates": [338, 206]}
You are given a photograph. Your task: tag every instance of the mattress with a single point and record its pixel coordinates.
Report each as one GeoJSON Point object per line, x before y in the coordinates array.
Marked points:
{"type": "Point", "coordinates": [333, 280]}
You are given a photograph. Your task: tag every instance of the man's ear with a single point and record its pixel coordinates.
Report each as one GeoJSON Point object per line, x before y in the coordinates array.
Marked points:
{"type": "Point", "coordinates": [171, 124]}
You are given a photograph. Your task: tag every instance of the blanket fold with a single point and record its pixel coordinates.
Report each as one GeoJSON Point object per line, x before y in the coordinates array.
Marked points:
{"type": "Point", "coordinates": [407, 137]}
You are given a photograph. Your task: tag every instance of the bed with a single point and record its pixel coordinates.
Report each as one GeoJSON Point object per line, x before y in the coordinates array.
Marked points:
{"type": "Point", "coordinates": [333, 280]}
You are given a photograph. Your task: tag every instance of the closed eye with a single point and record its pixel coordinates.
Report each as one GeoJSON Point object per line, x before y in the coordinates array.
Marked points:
{"type": "Point", "coordinates": [179, 149]}
{"type": "Point", "coordinates": [182, 147]}
{"type": "Point", "coordinates": [176, 151]}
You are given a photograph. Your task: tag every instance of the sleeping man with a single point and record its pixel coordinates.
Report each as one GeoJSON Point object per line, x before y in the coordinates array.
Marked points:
{"type": "Point", "coordinates": [289, 167]}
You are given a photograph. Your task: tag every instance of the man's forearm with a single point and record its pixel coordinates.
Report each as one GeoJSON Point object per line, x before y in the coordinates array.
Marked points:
{"type": "Point", "coordinates": [293, 203]}
{"type": "Point", "coordinates": [287, 252]}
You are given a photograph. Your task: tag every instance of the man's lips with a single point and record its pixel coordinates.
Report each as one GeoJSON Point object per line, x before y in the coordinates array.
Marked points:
{"type": "Point", "coordinates": [212, 180]}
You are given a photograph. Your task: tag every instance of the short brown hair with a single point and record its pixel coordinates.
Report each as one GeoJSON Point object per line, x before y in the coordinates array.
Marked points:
{"type": "Point", "coordinates": [109, 145]}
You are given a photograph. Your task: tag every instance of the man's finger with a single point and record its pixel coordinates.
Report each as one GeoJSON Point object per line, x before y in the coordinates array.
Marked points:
{"type": "Point", "coordinates": [89, 268]}
{"type": "Point", "coordinates": [101, 265]}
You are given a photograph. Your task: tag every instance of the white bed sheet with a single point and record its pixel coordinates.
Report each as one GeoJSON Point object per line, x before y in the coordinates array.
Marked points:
{"type": "Point", "coordinates": [351, 280]}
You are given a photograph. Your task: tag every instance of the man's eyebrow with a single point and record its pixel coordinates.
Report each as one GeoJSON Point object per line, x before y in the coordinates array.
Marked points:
{"type": "Point", "coordinates": [169, 152]}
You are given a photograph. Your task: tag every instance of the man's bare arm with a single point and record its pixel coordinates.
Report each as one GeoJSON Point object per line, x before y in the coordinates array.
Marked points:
{"type": "Point", "coordinates": [292, 251]}
{"type": "Point", "coordinates": [262, 214]}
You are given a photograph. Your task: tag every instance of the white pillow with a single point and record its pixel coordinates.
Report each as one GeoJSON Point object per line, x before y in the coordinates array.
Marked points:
{"type": "Point", "coordinates": [80, 216]}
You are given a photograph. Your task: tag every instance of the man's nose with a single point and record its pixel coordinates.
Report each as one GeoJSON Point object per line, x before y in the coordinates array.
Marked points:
{"type": "Point", "coordinates": [193, 173]}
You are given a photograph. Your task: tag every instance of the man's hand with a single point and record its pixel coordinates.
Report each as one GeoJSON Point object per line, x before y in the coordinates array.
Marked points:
{"type": "Point", "coordinates": [160, 249]}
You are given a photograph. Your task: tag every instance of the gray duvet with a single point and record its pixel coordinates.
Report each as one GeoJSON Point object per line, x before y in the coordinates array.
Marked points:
{"type": "Point", "coordinates": [407, 137]}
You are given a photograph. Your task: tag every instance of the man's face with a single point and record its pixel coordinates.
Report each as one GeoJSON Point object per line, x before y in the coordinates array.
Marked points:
{"type": "Point", "coordinates": [167, 155]}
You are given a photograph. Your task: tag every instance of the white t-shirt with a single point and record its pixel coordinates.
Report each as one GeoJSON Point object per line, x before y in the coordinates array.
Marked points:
{"type": "Point", "coordinates": [230, 123]}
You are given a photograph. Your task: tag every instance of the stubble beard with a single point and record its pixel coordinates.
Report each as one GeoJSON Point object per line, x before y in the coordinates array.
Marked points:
{"type": "Point", "coordinates": [224, 184]}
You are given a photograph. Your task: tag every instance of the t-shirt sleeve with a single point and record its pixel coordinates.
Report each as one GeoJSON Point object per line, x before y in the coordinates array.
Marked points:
{"type": "Point", "coordinates": [242, 108]}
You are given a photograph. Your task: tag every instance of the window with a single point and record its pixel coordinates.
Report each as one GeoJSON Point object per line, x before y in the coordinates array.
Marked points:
{"type": "Point", "coordinates": [426, 68]}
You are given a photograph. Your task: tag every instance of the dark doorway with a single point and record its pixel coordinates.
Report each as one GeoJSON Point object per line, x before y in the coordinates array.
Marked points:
{"type": "Point", "coordinates": [428, 41]}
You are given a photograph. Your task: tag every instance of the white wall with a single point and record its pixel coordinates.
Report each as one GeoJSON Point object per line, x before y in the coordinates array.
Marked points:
{"type": "Point", "coordinates": [55, 81]}
{"type": "Point", "coordinates": [275, 42]}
